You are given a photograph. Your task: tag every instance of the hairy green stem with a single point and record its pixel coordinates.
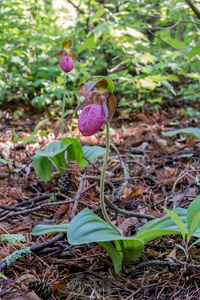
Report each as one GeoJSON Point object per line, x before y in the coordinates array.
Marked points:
{"type": "Point", "coordinates": [102, 203]}
{"type": "Point", "coordinates": [63, 105]}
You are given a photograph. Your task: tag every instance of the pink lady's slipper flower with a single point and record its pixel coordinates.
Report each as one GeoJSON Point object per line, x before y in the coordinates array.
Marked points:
{"type": "Point", "coordinates": [97, 108]}
{"type": "Point", "coordinates": [66, 64]}
{"type": "Point", "coordinates": [91, 119]}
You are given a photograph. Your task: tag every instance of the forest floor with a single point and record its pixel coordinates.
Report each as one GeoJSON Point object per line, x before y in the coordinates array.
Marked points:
{"type": "Point", "coordinates": [163, 172]}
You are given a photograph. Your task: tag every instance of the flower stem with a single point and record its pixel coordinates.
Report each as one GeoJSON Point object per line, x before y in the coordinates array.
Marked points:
{"type": "Point", "coordinates": [63, 105]}
{"type": "Point", "coordinates": [102, 203]}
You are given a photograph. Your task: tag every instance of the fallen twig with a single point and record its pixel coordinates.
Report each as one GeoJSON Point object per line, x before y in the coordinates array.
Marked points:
{"type": "Point", "coordinates": [30, 210]}
{"type": "Point", "coordinates": [186, 173]}
{"type": "Point", "coordinates": [170, 264]}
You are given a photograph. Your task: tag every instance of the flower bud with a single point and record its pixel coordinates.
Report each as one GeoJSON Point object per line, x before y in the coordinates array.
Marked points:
{"type": "Point", "coordinates": [66, 64]}
{"type": "Point", "coordinates": [91, 119]}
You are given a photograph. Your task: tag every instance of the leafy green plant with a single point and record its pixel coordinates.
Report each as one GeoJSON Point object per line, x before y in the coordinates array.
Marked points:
{"type": "Point", "coordinates": [55, 154]}
{"type": "Point", "coordinates": [32, 137]}
{"type": "Point", "coordinates": [179, 221]}
{"type": "Point", "coordinates": [86, 227]}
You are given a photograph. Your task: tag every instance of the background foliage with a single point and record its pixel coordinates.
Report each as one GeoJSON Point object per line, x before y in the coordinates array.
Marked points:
{"type": "Point", "coordinates": [149, 48]}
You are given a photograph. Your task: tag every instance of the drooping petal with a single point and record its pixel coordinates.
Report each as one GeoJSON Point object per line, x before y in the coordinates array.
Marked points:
{"type": "Point", "coordinates": [91, 119]}
{"type": "Point", "coordinates": [66, 64]}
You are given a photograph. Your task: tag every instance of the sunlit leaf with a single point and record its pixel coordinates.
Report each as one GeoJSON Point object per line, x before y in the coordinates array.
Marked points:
{"type": "Point", "coordinates": [195, 51]}
{"type": "Point", "coordinates": [135, 33]}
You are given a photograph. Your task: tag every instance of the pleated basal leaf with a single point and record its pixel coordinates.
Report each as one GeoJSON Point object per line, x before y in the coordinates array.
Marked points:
{"type": "Point", "coordinates": [87, 228]}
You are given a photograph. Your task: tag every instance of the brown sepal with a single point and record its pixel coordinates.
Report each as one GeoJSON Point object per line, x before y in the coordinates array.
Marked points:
{"type": "Point", "coordinates": [61, 52]}
{"type": "Point", "coordinates": [81, 88]}
{"type": "Point", "coordinates": [71, 53]}
{"type": "Point", "coordinates": [111, 105]}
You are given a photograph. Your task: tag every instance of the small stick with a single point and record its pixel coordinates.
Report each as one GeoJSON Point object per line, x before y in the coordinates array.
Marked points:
{"type": "Point", "coordinates": [186, 173]}
{"type": "Point", "coordinates": [78, 196]}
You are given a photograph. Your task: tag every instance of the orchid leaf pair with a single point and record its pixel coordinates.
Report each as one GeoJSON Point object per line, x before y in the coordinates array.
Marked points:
{"type": "Point", "coordinates": [57, 152]}
{"type": "Point", "coordinates": [86, 228]}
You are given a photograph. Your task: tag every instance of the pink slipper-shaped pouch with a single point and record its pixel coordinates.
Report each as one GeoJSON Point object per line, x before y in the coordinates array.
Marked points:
{"type": "Point", "coordinates": [66, 64]}
{"type": "Point", "coordinates": [91, 119]}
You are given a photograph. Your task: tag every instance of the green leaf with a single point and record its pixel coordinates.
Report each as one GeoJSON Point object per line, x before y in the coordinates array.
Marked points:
{"type": "Point", "coordinates": [97, 15]}
{"type": "Point", "coordinates": [114, 255]}
{"type": "Point", "coordinates": [88, 43]}
{"type": "Point", "coordinates": [3, 276]}
{"type": "Point", "coordinates": [175, 43]}
{"type": "Point", "coordinates": [13, 238]}
{"type": "Point", "coordinates": [136, 34]}
{"type": "Point", "coordinates": [130, 251]}
{"type": "Point", "coordinates": [194, 225]}
{"type": "Point", "coordinates": [43, 167]}
{"type": "Point", "coordinates": [195, 51]}
{"type": "Point", "coordinates": [40, 101]}
{"type": "Point", "coordinates": [177, 221]}
{"type": "Point", "coordinates": [193, 212]}
{"type": "Point", "coordinates": [86, 228]}
{"type": "Point", "coordinates": [29, 139]}
{"type": "Point", "coordinates": [196, 242]}
{"type": "Point", "coordinates": [101, 29]}
{"type": "Point", "coordinates": [163, 226]}
{"type": "Point", "coordinates": [92, 152]}
{"type": "Point", "coordinates": [181, 247]}
{"type": "Point", "coordinates": [41, 123]}
{"type": "Point", "coordinates": [3, 161]}
{"type": "Point", "coordinates": [45, 132]}
{"type": "Point", "coordinates": [43, 229]}
{"type": "Point", "coordinates": [74, 151]}
{"type": "Point", "coordinates": [60, 80]}
{"type": "Point", "coordinates": [191, 131]}
{"type": "Point", "coordinates": [56, 153]}
{"type": "Point", "coordinates": [173, 77]}
{"type": "Point", "coordinates": [53, 149]}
